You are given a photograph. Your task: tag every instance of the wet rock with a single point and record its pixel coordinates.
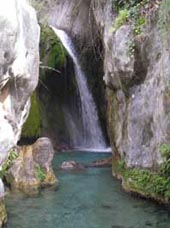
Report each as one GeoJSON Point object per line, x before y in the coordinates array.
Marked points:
{"type": "Point", "coordinates": [107, 162]}
{"type": "Point", "coordinates": [32, 169]}
{"type": "Point", "coordinates": [70, 165]}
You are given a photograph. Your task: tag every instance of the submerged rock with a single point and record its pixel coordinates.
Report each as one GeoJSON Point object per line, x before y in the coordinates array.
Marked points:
{"type": "Point", "coordinates": [107, 162]}
{"type": "Point", "coordinates": [32, 169]}
{"type": "Point", "coordinates": [70, 165]}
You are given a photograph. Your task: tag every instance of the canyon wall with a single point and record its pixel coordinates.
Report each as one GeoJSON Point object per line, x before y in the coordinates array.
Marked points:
{"type": "Point", "coordinates": [19, 64]}
{"type": "Point", "coordinates": [137, 96]}
{"type": "Point", "coordinates": [135, 67]}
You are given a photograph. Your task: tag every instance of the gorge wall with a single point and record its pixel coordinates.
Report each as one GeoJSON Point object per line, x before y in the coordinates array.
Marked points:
{"type": "Point", "coordinates": [135, 69]}
{"type": "Point", "coordinates": [64, 98]}
{"type": "Point", "coordinates": [131, 82]}
{"type": "Point", "coordinates": [19, 61]}
{"type": "Point", "coordinates": [137, 98]}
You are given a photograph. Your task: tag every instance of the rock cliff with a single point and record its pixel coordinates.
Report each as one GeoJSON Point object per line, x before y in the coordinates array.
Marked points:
{"type": "Point", "coordinates": [19, 61]}
{"type": "Point", "coordinates": [137, 96]}
{"type": "Point", "coordinates": [136, 71]}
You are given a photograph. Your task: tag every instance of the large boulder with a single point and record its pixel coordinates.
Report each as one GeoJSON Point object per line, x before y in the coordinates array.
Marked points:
{"type": "Point", "coordinates": [32, 169]}
{"type": "Point", "coordinates": [43, 152]}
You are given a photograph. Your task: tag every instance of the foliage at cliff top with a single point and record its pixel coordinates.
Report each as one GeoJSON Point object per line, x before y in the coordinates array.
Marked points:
{"type": "Point", "coordinates": [32, 126]}
{"type": "Point", "coordinates": [52, 52]}
{"type": "Point", "coordinates": [120, 4]}
{"type": "Point", "coordinates": [133, 12]}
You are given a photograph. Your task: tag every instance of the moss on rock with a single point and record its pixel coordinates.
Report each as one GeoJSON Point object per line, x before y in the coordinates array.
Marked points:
{"type": "Point", "coordinates": [32, 127]}
{"type": "Point", "coordinates": [151, 184]}
{"type": "Point", "coordinates": [3, 214]}
{"type": "Point", "coordinates": [51, 50]}
{"type": "Point", "coordinates": [32, 169]}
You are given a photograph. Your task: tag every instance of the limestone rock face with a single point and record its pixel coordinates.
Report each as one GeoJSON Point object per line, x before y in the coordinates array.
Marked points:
{"type": "Point", "coordinates": [138, 98]}
{"type": "Point", "coordinates": [137, 87]}
{"type": "Point", "coordinates": [43, 152]}
{"type": "Point", "coordinates": [19, 61]}
{"type": "Point", "coordinates": [32, 169]}
{"type": "Point", "coordinates": [70, 16]}
{"type": "Point", "coordinates": [137, 94]}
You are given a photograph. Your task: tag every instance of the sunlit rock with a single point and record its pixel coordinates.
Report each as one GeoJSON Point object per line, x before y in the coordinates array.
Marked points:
{"type": "Point", "coordinates": [32, 169]}
{"type": "Point", "coordinates": [19, 60]}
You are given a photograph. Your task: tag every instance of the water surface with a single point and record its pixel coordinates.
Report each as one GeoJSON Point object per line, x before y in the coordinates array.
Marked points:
{"type": "Point", "coordinates": [90, 198]}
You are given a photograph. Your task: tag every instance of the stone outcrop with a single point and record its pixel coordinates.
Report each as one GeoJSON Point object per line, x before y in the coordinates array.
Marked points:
{"type": "Point", "coordinates": [138, 98]}
{"type": "Point", "coordinates": [32, 169]}
{"type": "Point", "coordinates": [19, 61]}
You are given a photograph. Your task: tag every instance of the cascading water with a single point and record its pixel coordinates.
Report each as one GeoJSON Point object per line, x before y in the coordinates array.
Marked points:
{"type": "Point", "coordinates": [91, 134]}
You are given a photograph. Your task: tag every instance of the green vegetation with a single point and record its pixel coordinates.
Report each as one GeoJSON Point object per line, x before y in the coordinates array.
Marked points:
{"type": "Point", "coordinates": [7, 164]}
{"type": "Point", "coordinates": [165, 150]}
{"type": "Point", "coordinates": [32, 127]}
{"type": "Point", "coordinates": [121, 19]}
{"type": "Point", "coordinates": [150, 183]}
{"type": "Point", "coordinates": [134, 13]}
{"type": "Point", "coordinates": [119, 4]}
{"type": "Point", "coordinates": [52, 51]}
{"type": "Point", "coordinates": [40, 173]}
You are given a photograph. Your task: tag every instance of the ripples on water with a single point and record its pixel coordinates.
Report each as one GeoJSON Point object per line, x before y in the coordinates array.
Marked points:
{"type": "Point", "coordinates": [88, 198]}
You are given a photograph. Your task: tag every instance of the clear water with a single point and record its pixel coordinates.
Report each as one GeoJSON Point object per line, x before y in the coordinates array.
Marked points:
{"type": "Point", "coordinates": [89, 198]}
{"type": "Point", "coordinates": [90, 135]}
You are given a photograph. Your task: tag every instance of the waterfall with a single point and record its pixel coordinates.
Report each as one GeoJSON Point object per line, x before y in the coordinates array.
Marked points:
{"type": "Point", "coordinates": [91, 134]}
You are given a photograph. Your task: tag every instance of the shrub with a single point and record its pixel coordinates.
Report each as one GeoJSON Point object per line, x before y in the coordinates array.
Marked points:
{"type": "Point", "coordinates": [7, 164]}
{"type": "Point", "coordinates": [146, 181]}
{"type": "Point", "coordinates": [40, 173]}
{"type": "Point", "coordinates": [121, 19]}
{"type": "Point", "coordinates": [165, 150]}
